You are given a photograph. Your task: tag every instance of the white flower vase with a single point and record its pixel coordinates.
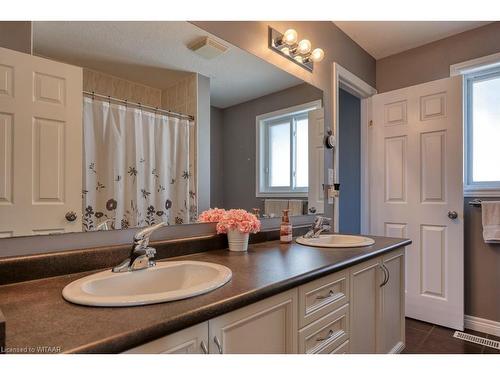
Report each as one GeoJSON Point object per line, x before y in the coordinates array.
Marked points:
{"type": "Point", "coordinates": [237, 240]}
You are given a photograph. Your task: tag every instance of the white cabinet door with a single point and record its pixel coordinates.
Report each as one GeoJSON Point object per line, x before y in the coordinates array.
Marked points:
{"type": "Point", "coordinates": [392, 319]}
{"type": "Point", "coordinates": [40, 145]}
{"type": "Point", "coordinates": [265, 327]}
{"type": "Point", "coordinates": [192, 340]}
{"type": "Point", "coordinates": [316, 193]}
{"type": "Point", "coordinates": [365, 306]}
{"type": "Point", "coordinates": [416, 186]}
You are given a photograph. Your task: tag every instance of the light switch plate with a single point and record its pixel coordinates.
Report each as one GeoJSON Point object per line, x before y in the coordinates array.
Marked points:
{"type": "Point", "coordinates": [330, 176]}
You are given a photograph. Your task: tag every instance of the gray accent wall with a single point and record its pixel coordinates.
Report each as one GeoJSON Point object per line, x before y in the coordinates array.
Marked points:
{"type": "Point", "coordinates": [252, 36]}
{"type": "Point", "coordinates": [432, 61]}
{"type": "Point", "coordinates": [237, 130]}
{"type": "Point", "coordinates": [16, 35]}
{"type": "Point", "coordinates": [482, 267]}
{"type": "Point", "coordinates": [203, 140]}
{"type": "Point", "coordinates": [216, 158]}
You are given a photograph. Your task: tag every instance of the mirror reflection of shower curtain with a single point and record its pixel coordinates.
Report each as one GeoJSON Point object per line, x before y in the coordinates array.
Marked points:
{"type": "Point", "coordinates": [136, 167]}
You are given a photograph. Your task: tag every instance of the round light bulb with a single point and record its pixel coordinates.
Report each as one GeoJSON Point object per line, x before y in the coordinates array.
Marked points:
{"type": "Point", "coordinates": [299, 59]}
{"type": "Point", "coordinates": [304, 47]}
{"type": "Point", "coordinates": [290, 37]}
{"type": "Point", "coordinates": [317, 55]}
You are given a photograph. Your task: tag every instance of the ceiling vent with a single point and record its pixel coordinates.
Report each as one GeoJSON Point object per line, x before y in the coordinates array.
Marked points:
{"type": "Point", "coordinates": [207, 47]}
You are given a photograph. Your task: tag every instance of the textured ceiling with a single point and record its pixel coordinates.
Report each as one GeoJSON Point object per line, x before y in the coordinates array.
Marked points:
{"type": "Point", "coordinates": [385, 38]}
{"type": "Point", "coordinates": [155, 54]}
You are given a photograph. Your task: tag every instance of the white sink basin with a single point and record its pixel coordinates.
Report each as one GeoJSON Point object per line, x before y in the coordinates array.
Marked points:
{"type": "Point", "coordinates": [167, 281]}
{"type": "Point", "coordinates": [336, 240]}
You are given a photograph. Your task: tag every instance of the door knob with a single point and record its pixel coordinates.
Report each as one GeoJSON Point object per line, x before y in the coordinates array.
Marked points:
{"type": "Point", "coordinates": [452, 215]}
{"type": "Point", "coordinates": [70, 216]}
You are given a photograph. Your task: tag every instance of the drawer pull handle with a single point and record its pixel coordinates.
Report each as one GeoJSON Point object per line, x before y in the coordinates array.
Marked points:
{"type": "Point", "coordinates": [382, 267]}
{"type": "Point", "coordinates": [204, 348]}
{"type": "Point", "coordinates": [386, 274]}
{"type": "Point", "coordinates": [330, 334]}
{"type": "Point", "coordinates": [219, 346]}
{"type": "Point", "coordinates": [330, 293]}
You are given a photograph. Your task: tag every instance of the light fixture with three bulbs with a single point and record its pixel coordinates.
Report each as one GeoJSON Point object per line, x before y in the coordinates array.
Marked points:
{"type": "Point", "coordinates": [300, 52]}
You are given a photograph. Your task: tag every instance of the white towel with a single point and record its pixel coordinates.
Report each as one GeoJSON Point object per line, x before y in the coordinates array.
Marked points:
{"type": "Point", "coordinates": [275, 207]}
{"type": "Point", "coordinates": [491, 220]}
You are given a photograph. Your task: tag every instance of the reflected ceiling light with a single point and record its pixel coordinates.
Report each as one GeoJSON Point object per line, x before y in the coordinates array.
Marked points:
{"type": "Point", "coordinates": [287, 45]}
{"type": "Point", "coordinates": [317, 55]}
{"type": "Point", "coordinates": [290, 37]}
{"type": "Point", "coordinates": [304, 47]}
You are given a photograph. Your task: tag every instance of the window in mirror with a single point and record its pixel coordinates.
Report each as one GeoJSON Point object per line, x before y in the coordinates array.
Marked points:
{"type": "Point", "coordinates": [282, 149]}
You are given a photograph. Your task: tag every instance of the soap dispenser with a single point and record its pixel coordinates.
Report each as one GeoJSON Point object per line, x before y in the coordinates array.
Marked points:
{"type": "Point", "coordinates": [285, 228]}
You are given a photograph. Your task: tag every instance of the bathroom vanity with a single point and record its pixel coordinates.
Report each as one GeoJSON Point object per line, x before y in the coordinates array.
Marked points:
{"type": "Point", "coordinates": [281, 299]}
{"type": "Point", "coordinates": [356, 310]}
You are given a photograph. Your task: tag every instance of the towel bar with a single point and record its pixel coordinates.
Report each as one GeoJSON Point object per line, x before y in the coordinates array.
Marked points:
{"type": "Point", "coordinates": [475, 202]}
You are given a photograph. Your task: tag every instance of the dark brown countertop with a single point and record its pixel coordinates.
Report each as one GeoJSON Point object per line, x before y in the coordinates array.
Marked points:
{"type": "Point", "coordinates": [36, 315]}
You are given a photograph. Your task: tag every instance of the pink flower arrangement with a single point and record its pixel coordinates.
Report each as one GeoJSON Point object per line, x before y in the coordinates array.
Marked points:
{"type": "Point", "coordinates": [236, 219]}
{"type": "Point", "coordinates": [239, 220]}
{"type": "Point", "coordinates": [212, 215]}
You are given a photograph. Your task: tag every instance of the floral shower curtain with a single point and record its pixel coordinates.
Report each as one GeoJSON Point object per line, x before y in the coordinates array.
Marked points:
{"type": "Point", "coordinates": [136, 170]}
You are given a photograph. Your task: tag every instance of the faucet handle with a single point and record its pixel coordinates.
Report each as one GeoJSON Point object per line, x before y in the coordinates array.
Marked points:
{"type": "Point", "coordinates": [141, 238]}
{"type": "Point", "coordinates": [321, 220]}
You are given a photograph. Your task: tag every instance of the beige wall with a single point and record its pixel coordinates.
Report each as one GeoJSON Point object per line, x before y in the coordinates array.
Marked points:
{"type": "Point", "coordinates": [181, 97]}
{"type": "Point", "coordinates": [16, 35]}
{"type": "Point", "coordinates": [432, 61]}
{"type": "Point", "coordinates": [106, 84]}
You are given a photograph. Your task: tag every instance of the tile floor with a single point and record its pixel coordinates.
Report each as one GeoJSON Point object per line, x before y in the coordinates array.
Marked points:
{"type": "Point", "coordinates": [426, 338]}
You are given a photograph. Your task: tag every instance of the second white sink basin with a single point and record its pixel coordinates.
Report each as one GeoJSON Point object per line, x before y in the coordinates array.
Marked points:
{"type": "Point", "coordinates": [167, 281]}
{"type": "Point", "coordinates": [336, 240]}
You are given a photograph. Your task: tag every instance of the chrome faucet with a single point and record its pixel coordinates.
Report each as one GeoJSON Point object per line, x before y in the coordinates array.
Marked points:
{"type": "Point", "coordinates": [104, 225]}
{"type": "Point", "coordinates": [320, 225]}
{"type": "Point", "coordinates": [142, 254]}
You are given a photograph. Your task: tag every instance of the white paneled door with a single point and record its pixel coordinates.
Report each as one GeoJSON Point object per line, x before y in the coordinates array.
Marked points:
{"type": "Point", "coordinates": [40, 145]}
{"type": "Point", "coordinates": [316, 120]}
{"type": "Point", "coordinates": [416, 192]}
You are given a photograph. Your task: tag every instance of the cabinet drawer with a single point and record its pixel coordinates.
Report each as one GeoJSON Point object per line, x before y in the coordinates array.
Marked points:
{"type": "Point", "coordinates": [342, 348]}
{"type": "Point", "coordinates": [322, 296]}
{"type": "Point", "coordinates": [326, 334]}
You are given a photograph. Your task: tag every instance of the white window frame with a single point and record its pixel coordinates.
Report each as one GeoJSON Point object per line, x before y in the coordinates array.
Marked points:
{"type": "Point", "coordinates": [473, 70]}
{"type": "Point", "coordinates": [262, 188]}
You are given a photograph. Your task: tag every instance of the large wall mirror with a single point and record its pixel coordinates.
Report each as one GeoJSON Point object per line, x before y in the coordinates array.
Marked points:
{"type": "Point", "coordinates": [114, 125]}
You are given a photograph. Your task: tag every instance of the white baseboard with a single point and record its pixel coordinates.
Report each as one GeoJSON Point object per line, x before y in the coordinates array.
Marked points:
{"type": "Point", "coordinates": [482, 325]}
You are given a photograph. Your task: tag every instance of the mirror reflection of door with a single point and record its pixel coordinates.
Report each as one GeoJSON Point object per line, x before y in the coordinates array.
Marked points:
{"type": "Point", "coordinates": [349, 163]}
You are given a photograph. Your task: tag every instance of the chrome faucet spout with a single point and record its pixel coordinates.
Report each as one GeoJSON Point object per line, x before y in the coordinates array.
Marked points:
{"type": "Point", "coordinates": [321, 224]}
{"type": "Point", "coordinates": [141, 255]}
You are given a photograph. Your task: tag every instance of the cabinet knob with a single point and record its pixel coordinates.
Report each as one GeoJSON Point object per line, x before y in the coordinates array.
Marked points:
{"type": "Point", "coordinates": [452, 215]}
{"type": "Point", "coordinates": [70, 216]}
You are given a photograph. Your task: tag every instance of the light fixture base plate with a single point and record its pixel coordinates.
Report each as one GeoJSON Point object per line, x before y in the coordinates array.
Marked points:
{"type": "Point", "coordinates": [274, 36]}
